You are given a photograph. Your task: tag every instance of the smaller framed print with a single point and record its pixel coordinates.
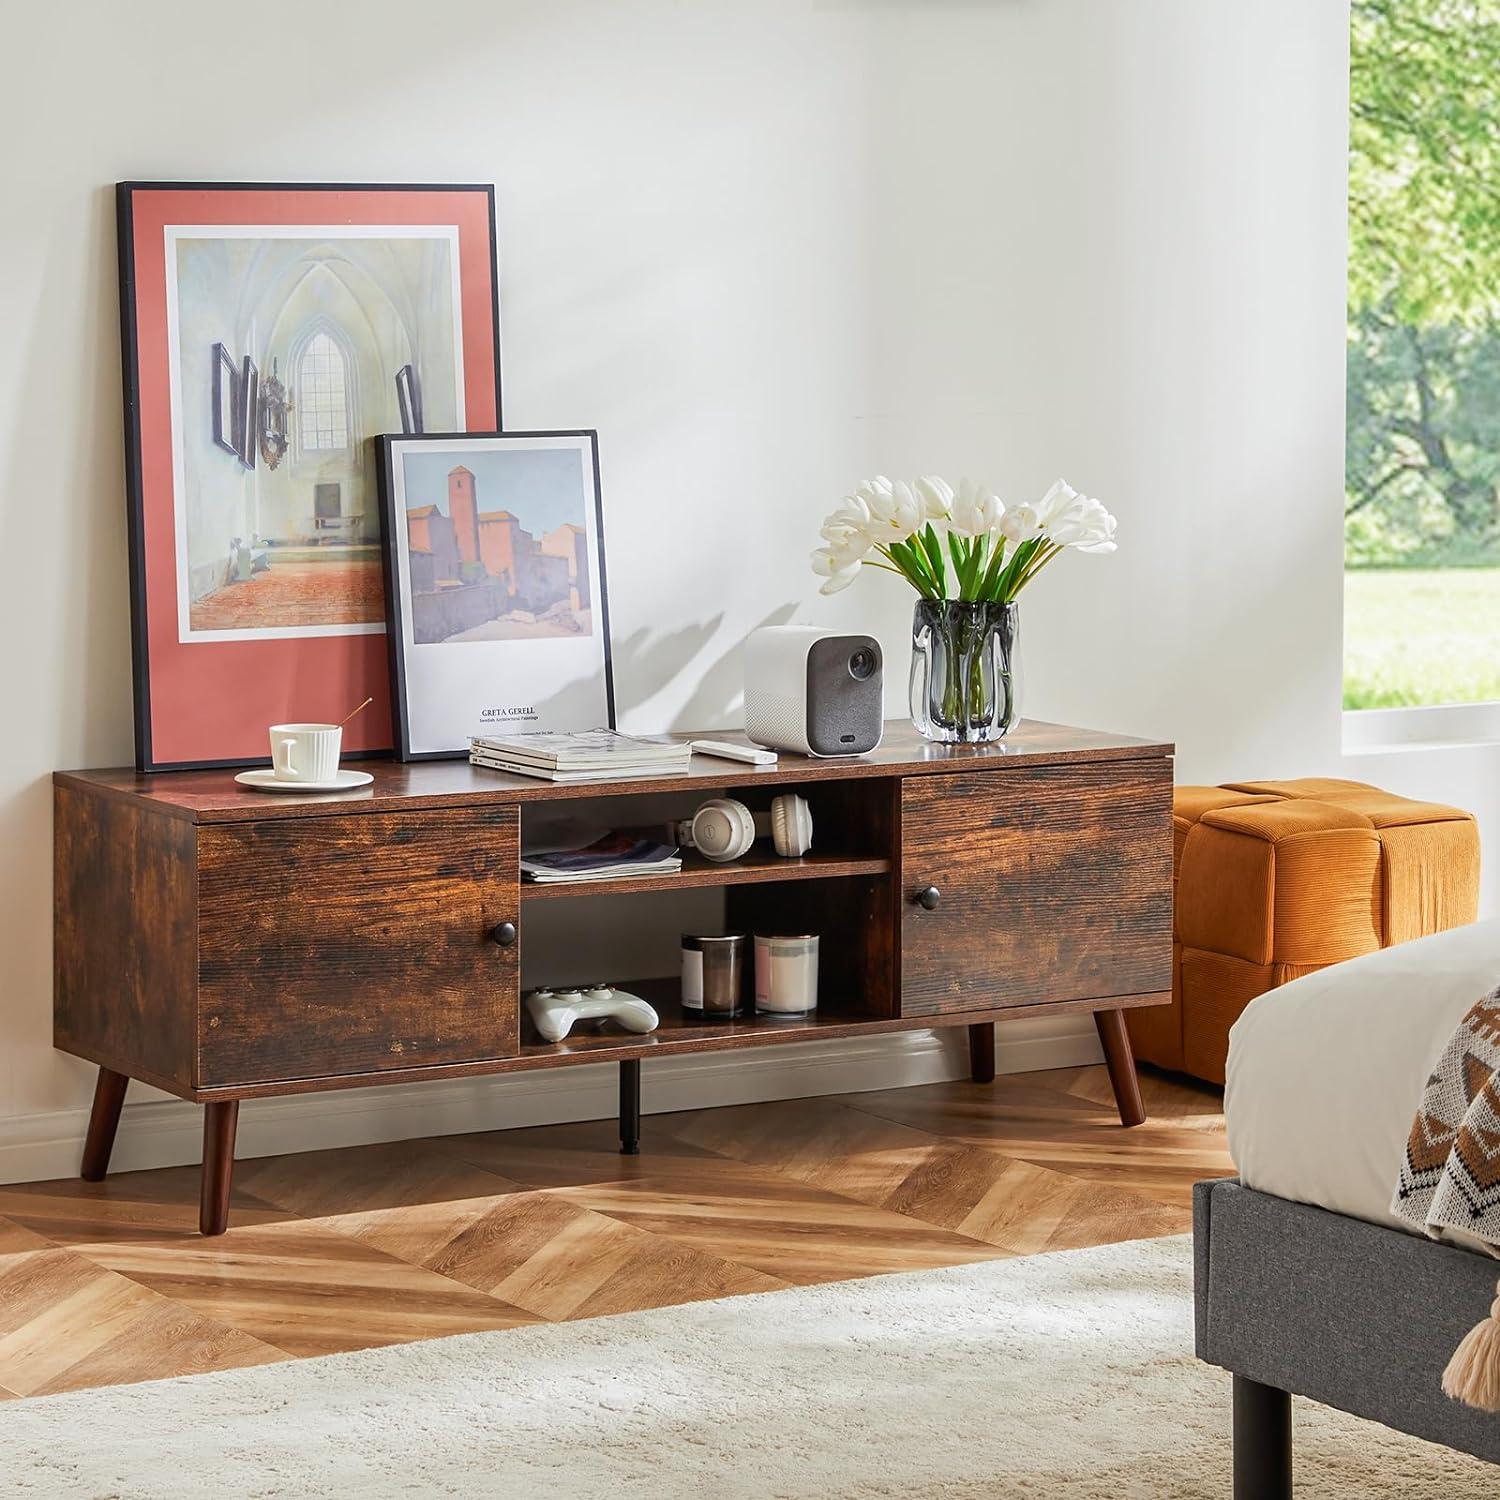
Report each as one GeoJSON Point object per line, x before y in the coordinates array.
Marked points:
{"type": "Point", "coordinates": [496, 615]}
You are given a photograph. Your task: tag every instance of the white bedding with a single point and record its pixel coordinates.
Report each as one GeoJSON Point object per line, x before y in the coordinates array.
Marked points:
{"type": "Point", "coordinates": [1325, 1073]}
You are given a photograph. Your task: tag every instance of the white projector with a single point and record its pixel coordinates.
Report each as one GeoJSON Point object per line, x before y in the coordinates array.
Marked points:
{"type": "Point", "coordinates": [813, 690]}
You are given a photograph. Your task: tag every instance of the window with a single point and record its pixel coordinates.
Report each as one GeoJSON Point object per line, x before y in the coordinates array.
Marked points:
{"type": "Point", "coordinates": [1422, 437]}
{"type": "Point", "coordinates": [322, 395]}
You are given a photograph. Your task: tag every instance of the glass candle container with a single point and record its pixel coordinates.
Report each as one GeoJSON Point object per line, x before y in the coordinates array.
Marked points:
{"type": "Point", "coordinates": [713, 974]}
{"type": "Point", "coordinates": [786, 974]}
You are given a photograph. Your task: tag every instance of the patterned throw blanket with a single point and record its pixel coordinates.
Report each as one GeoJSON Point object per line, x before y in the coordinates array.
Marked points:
{"type": "Point", "coordinates": [1450, 1178]}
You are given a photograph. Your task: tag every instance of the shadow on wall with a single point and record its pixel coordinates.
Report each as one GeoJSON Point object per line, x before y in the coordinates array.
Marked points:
{"type": "Point", "coordinates": [89, 629]}
{"type": "Point", "coordinates": [52, 1079]}
{"type": "Point", "coordinates": [70, 678]}
{"type": "Point", "coordinates": [647, 665]}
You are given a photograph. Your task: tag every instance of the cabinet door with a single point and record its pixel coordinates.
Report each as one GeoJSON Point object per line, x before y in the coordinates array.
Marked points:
{"type": "Point", "coordinates": [355, 944]}
{"type": "Point", "coordinates": [1052, 883]}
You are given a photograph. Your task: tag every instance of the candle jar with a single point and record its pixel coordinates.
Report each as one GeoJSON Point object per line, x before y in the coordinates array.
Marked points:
{"type": "Point", "coordinates": [713, 970]}
{"type": "Point", "coordinates": [786, 975]}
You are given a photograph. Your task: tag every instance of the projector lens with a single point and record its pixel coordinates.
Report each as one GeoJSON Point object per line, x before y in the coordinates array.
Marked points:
{"type": "Point", "coordinates": [862, 664]}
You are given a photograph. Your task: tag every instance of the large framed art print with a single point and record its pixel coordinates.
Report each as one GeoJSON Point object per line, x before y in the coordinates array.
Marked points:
{"type": "Point", "coordinates": [495, 586]}
{"type": "Point", "coordinates": [270, 332]}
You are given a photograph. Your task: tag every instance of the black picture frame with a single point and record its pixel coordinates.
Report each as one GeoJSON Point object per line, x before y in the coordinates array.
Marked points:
{"type": "Point", "coordinates": [247, 427]}
{"type": "Point", "coordinates": [409, 400]}
{"type": "Point", "coordinates": [226, 398]}
{"type": "Point", "coordinates": [147, 756]}
{"type": "Point", "coordinates": [393, 530]}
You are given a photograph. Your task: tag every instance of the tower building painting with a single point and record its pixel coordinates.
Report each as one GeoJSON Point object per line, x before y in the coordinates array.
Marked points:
{"type": "Point", "coordinates": [481, 575]}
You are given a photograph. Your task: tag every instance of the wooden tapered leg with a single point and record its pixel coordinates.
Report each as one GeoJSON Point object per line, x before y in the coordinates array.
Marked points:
{"type": "Point", "coordinates": [219, 1121]}
{"type": "Point", "coordinates": [982, 1052]}
{"type": "Point", "coordinates": [1121, 1064]}
{"type": "Point", "coordinates": [1262, 1441]}
{"type": "Point", "coordinates": [104, 1120]}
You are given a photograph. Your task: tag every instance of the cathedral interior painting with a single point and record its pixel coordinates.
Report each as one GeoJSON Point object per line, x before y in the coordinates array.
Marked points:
{"type": "Point", "coordinates": [497, 545]}
{"type": "Point", "coordinates": [291, 351]}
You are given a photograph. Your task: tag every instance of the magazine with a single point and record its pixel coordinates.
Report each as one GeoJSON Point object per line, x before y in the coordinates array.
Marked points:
{"type": "Point", "coordinates": [582, 750]}
{"type": "Point", "coordinates": [611, 857]}
{"type": "Point", "coordinates": [552, 773]}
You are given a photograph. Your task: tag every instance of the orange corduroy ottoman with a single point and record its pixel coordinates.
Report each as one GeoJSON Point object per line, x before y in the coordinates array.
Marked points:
{"type": "Point", "coordinates": [1274, 879]}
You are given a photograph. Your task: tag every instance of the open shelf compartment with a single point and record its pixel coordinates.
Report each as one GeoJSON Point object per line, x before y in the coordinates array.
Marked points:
{"type": "Point", "coordinates": [844, 890]}
{"type": "Point", "coordinates": [853, 836]}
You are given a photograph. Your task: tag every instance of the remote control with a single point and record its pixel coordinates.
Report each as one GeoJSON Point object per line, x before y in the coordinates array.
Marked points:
{"type": "Point", "coordinates": [724, 750]}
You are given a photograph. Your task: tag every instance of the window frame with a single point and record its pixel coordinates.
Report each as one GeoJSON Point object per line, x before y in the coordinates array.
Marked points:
{"type": "Point", "coordinates": [1420, 726]}
{"type": "Point", "coordinates": [324, 327]}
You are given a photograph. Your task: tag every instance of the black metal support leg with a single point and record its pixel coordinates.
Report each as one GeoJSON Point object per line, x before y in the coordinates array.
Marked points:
{"type": "Point", "coordinates": [630, 1108]}
{"type": "Point", "coordinates": [982, 1052]}
{"type": "Point", "coordinates": [1262, 1441]}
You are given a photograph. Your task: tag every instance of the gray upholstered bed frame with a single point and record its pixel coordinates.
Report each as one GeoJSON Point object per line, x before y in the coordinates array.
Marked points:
{"type": "Point", "coordinates": [1294, 1299]}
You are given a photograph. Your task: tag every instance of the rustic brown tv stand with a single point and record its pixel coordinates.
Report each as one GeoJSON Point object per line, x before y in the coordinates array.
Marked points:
{"type": "Point", "coordinates": [223, 944]}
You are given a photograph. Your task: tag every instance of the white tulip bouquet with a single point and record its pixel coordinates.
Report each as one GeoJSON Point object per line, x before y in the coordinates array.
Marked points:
{"type": "Point", "coordinates": [968, 555]}
{"type": "Point", "coordinates": [963, 544]}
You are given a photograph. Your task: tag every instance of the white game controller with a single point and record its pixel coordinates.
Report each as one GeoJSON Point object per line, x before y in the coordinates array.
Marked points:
{"type": "Point", "coordinates": [556, 1012]}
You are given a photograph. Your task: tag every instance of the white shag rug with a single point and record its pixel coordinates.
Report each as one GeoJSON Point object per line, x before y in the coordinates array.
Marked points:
{"type": "Point", "coordinates": [1064, 1375]}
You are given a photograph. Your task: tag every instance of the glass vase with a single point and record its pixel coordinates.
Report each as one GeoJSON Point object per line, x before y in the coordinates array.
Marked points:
{"type": "Point", "coordinates": [965, 670]}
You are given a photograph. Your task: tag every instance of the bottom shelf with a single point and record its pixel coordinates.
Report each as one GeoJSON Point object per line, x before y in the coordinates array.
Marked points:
{"type": "Point", "coordinates": [680, 1032]}
{"type": "Point", "coordinates": [687, 1031]}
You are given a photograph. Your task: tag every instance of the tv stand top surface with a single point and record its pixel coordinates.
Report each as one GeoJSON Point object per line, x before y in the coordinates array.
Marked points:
{"type": "Point", "coordinates": [213, 796]}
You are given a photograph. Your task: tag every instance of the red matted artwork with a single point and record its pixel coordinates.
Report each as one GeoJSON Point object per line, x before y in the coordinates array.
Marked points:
{"type": "Point", "coordinates": [270, 333]}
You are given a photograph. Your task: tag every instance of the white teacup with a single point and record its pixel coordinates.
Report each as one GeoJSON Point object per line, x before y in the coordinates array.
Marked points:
{"type": "Point", "coordinates": [305, 752]}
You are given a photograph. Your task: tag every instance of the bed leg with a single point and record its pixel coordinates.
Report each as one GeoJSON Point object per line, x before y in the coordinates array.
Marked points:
{"type": "Point", "coordinates": [1262, 1441]}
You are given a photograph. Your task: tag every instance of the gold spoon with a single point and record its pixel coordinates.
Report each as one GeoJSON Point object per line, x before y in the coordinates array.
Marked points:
{"type": "Point", "coordinates": [368, 701]}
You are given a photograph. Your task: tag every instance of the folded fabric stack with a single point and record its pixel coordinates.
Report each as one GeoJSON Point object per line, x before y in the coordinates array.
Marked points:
{"type": "Point", "coordinates": [613, 857]}
{"type": "Point", "coordinates": [585, 755]}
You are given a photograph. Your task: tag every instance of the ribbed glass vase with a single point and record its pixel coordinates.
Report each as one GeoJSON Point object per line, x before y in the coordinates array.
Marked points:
{"type": "Point", "coordinates": [965, 670]}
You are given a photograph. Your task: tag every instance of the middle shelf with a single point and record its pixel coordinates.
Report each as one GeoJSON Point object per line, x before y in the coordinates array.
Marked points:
{"type": "Point", "coordinates": [756, 868]}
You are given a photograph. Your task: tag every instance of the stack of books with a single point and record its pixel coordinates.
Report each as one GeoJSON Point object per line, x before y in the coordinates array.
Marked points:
{"type": "Point", "coordinates": [585, 755]}
{"type": "Point", "coordinates": [613, 857]}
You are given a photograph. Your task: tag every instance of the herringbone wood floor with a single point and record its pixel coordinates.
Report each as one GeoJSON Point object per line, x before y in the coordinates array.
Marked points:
{"type": "Point", "coordinates": [334, 1250]}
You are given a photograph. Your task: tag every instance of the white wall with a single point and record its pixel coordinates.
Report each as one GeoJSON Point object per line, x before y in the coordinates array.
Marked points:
{"type": "Point", "coordinates": [765, 248]}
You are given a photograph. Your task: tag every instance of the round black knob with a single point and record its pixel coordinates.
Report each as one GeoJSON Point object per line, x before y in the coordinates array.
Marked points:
{"type": "Point", "coordinates": [503, 933]}
{"type": "Point", "coordinates": [927, 898]}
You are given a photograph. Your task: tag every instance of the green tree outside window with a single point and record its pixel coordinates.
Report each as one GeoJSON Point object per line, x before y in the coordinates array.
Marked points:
{"type": "Point", "coordinates": [1422, 470]}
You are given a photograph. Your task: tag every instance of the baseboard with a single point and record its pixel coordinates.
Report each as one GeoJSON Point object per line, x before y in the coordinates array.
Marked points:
{"type": "Point", "coordinates": [160, 1132]}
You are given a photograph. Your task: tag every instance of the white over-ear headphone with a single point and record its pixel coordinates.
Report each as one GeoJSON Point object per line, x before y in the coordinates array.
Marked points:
{"type": "Point", "coordinates": [723, 829]}
{"type": "Point", "coordinates": [791, 825]}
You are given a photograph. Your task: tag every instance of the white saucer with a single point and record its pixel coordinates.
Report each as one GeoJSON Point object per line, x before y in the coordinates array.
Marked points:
{"type": "Point", "coordinates": [267, 781]}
